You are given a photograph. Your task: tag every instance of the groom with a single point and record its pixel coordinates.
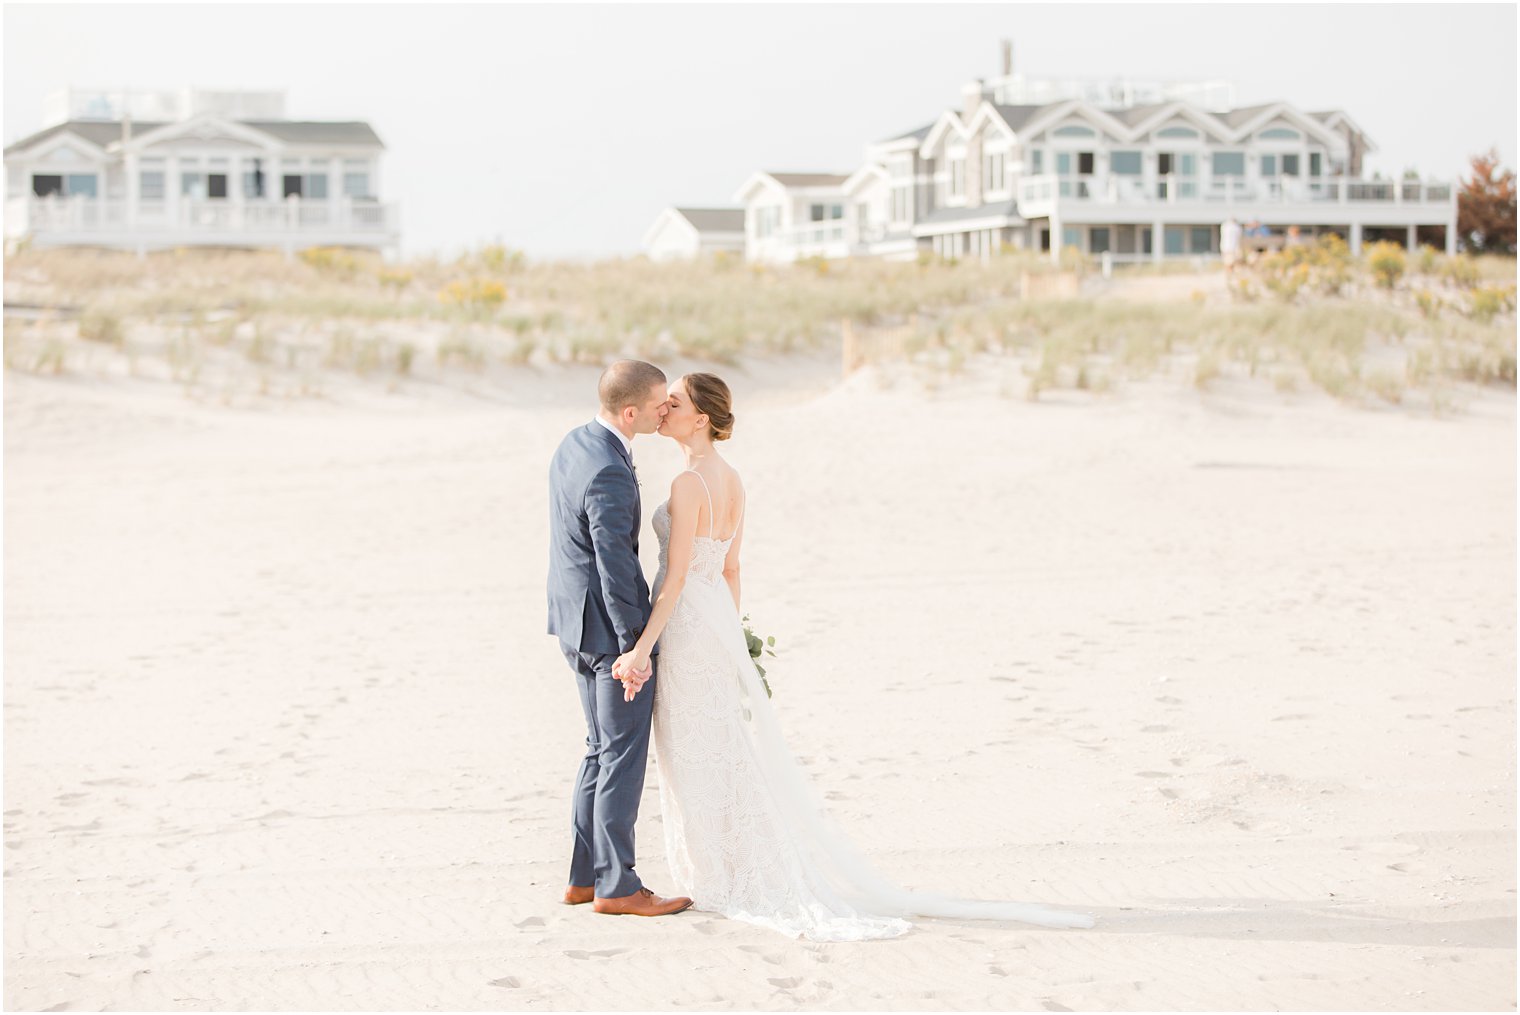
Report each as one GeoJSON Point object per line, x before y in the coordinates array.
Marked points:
{"type": "Point", "coordinates": [598, 606]}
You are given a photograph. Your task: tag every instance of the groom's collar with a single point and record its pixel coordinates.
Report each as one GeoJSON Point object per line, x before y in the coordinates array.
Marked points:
{"type": "Point", "coordinates": [627, 443]}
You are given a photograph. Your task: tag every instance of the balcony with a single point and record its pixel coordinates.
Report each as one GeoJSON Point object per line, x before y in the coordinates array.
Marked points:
{"type": "Point", "coordinates": [1291, 199]}
{"type": "Point", "coordinates": [84, 221]}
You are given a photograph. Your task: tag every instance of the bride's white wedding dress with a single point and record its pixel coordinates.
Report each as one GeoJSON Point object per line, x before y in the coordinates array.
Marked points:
{"type": "Point", "coordinates": [745, 833]}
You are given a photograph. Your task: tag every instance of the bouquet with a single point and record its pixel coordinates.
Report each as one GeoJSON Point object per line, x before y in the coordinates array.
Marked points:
{"type": "Point", "coordinates": [757, 648]}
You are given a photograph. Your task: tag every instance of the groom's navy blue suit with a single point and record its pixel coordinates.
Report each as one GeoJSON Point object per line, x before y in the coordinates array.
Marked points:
{"type": "Point", "coordinates": [598, 606]}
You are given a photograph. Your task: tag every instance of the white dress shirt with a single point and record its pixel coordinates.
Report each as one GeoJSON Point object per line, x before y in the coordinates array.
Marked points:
{"type": "Point", "coordinates": [627, 444]}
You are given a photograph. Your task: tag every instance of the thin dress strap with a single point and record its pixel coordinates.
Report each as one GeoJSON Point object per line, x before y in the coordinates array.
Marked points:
{"type": "Point", "coordinates": [694, 472]}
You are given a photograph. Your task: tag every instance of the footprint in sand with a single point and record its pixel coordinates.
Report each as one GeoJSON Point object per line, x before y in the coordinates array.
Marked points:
{"type": "Point", "coordinates": [510, 982]}
{"type": "Point", "coordinates": [605, 953]}
{"type": "Point", "coordinates": [773, 957]}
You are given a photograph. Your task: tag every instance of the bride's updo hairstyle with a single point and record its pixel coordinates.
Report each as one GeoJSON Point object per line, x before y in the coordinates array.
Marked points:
{"type": "Point", "coordinates": [711, 397]}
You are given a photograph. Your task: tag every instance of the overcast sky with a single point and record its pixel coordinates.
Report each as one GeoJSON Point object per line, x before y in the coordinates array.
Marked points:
{"type": "Point", "coordinates": [563, 130]}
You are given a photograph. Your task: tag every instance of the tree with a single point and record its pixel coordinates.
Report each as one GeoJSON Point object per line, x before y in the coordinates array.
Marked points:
{"type": "Point", "coordinates": [1486, 207]}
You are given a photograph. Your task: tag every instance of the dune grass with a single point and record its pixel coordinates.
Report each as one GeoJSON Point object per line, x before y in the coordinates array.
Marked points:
{"type": "Point", "coordinates": [1361, 329]}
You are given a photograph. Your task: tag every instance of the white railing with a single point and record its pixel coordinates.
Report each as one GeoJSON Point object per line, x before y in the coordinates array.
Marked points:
{"type": "Point", "coordinates": [1173, 189]}
{"type": "Point", "coordinates": [80, 214]}
{"type": "Point", "coordinates": [816, 234]}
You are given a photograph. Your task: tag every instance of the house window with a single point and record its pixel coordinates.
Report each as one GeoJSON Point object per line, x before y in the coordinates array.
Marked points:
{"type": "Point", "coordinates": [1036, 160]}
{"type": "Point", "coordinates": [993, 165]}
{"type": "Point", "coordinates": [192, 183]}
{"type": "Point", "coordinates": [1280, 134]}
{"type": "Point", "coordinates": [1070, 237]}
{"type": "Point", "coordinates": [150, 185]}
{"type": "Point", "coordinates": [1269, 165]}
{"type": "Point", "coordinates": [1314, 165]}
{"type": "Point", "coordinates": [83, 184]}
{"type": "Point", "coordinates": [1184, 164]}
{"type": "Point", "coordinates": [1074, 130]}
{"type": "Point", "coordinates": [1229, 163]}
{"type": "Point", "coordinates": [1084, 163]}
{"type": "Point", "coordinates": [47, 186]}
{"type": "Point", "coordinates": [356, 178]}
{"type": "Point", "coordinates": [957, 177]}
{"type": "Point", "coordinates": [1176, 132]}
{"type": "Point", "coordinates": [1174, 239]}
{"type": "Point", "coordinates": [1290, 165]}
{"type": "Point", "coordinates": [826, 212]}
{"type": "Point", "coordinates": [1063, 163]}
{"type": "Point", "coordinates": [316, 186]}
{"type": "Point", "coordinates": [1098, 240]}
{"type": "Point", "coordinates": [1127, 163]}
{"type": "Point", "coordinates": [1202, 239]}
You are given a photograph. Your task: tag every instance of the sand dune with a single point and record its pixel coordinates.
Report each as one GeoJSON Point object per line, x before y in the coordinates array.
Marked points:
{"type": "Point", "coordinates": [1232, 673]}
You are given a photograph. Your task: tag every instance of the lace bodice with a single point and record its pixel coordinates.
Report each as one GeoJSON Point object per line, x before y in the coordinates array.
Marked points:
{"type": "Point", "coordinates": [707, 553]}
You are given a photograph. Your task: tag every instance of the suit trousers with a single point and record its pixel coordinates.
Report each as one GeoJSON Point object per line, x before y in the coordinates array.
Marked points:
{"type": "Point", "coordinates": [611, 778]}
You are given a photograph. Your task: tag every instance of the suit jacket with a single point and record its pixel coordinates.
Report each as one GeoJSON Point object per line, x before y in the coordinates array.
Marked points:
{"type": "Point", "coordinates": [598, 598]}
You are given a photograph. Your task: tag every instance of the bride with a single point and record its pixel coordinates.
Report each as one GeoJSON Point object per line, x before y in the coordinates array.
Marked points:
{"type": "Point", "coordinates": [745, 832]}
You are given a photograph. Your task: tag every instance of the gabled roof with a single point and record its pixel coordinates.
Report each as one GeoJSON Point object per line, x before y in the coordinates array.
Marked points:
{"type": "Point", "coordinates": [1016, 116]}
{"type": "Point", "coordinates": [106, 132]}
{"type": "Point", "coordinates": [1134, 116]}
{"type": "Point", "coordinates": [1245, 114]}
{"type": "Point", "coordinates": [916, 135]}
{"type": "Point", "coordinates": [809, 179]}
{"type": "Point", "coordinates": [355, 132]}
{"type": "Point", "coordinates": [97, 132]}
{"type": "Point", "coordinates": [714, 220]}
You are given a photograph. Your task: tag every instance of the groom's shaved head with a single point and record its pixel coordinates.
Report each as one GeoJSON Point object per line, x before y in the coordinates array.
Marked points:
{"type": "Point", "coordinates": [627, 382]}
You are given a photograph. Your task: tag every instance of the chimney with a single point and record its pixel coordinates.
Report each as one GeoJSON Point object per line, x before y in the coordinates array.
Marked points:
{"type": "Point", "coordinates": [1007, 57]}
{"type": "Point", "coordinates": [971, 98]}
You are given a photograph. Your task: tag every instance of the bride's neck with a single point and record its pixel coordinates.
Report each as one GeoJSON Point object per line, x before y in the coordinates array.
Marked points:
{"type": "Point", "coordinates": [697, 452]}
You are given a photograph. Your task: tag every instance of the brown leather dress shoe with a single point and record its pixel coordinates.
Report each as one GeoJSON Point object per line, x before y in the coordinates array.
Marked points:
{"type": "Point", "coordinates": [641, 903]}
{"type": "Point", "coordinates": [575, 895]}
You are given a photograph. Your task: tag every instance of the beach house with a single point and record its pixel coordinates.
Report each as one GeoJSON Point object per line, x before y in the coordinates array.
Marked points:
{"type": "Point", "coordinates": [1131, 171]}
{"type": "Point", "coordinates": [148, 171]}
{"type": "Point", "coordinates": [685, 234]}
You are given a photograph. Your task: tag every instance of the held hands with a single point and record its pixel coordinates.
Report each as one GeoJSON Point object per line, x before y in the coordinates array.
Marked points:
{"type": "Point", "coordinates": [634, 670]}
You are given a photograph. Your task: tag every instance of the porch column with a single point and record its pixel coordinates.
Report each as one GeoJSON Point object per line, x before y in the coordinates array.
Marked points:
{"type": "Point", "coordinates": [1451, 232]}
{"type": "Point", "coordinates": [1055, 238]}
{"type": "Point", "coordinates": [130, 167]}
{"type": "Point", "coordinates": [1356, 239]}
{"type": "Point", "coordinates": [1411, 238]}
{"type": "Point", "coordinates": [235, 188]}
{"type": "Point", "coordinates": [1158, 241]}
{"type": "Point", "coordinates": [335, 192]}
{"type": "Point", "coordinates": [172, 188]}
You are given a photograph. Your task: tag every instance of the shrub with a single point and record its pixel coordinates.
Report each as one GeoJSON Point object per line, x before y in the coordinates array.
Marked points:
{"type": "Point", "coordinates": [474, 293]}
{"type": "Point", "coordinates": [98, 325]}
{"type": "Point", "coordinates": [1386, 261]}
{"type": "Point", "coordinates": [1461, 271]}
{"type": "Point", "coordinates": [1487, 303]}
{"type": "Point", "coordinates": [335, 260]}
{"type": "Point", "coordinates": [1428, 258]}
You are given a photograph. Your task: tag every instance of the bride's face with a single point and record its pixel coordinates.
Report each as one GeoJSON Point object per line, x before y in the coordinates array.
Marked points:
{"type": "Point", "coordinates": [681, 418]}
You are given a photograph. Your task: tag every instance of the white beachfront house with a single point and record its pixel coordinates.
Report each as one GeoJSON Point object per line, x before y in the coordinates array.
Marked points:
{"type": "Point", "coordinates": [788, 216]}
{"type": "Point", "coordinates": [202, 174]}
{"type": "Point", "coordinates": [1137, 183]}
{"type": "Point", "coordinates": [685, 234]}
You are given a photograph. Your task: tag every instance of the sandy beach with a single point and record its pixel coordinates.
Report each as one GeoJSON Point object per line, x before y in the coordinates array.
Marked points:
{"type": "Point", "coordinates": [1231, 670]}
